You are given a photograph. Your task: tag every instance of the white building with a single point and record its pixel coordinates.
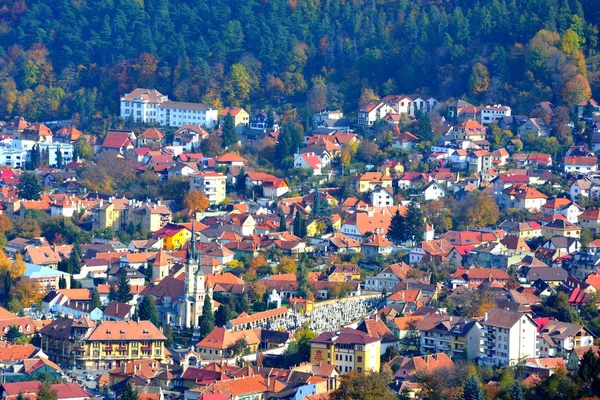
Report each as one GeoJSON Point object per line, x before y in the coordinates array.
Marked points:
{"type": "Point", "coordinates": [382, 197]}
{"type": "Point", "coordinates": [14, 158]}
{"type": "Point", "coordinates": [150, 106]}
{"type": "Point", "coordinates": [508, 337]}
{"type": "Point", "coordinates": [387, 278]}
{"type": "Point", "coordinates": [212, 184]}
{"type": "Point", "coordinates": [489, 114]}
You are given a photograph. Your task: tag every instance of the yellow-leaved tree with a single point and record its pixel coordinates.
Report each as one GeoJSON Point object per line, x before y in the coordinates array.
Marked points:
{"type": "Point", "coordinates": [18, 267]}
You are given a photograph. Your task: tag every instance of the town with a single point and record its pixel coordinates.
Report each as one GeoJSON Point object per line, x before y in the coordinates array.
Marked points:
{"type": "Point", "coordinates": [201, 253]}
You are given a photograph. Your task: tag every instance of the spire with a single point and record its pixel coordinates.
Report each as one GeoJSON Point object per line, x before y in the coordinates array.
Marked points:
{"type": "Point", "coordinates": [193, 243]}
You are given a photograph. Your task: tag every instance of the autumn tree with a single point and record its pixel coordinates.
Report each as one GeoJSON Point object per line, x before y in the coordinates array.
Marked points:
{"type": "Point", "coordinates": [477, 211]}
{"type": "Point", "coordinates": [5, 264]}
{"type": "Point", "coordinates": [287, 265]}
{"type": "Point", "coordinates": [361, 386]}
{"type": "Point", "coordinates": [576, 90]}
{"type": "Point", "coordinates": [18, 267]}
{"type": "Point", "coordinates": [27, 293]}
{"type": "Point", "coordinates": [479, 80]}
{"type": "Point", "coordinates": [196, 200]}
{"type": "Point", "coordinates": [317, 95]}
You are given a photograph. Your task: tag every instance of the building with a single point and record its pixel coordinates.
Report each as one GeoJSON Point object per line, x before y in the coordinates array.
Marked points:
{"type": "Point", "coordinates": [221, 343]}
{"type": "Point", "coordinates": [508, 337]}
{"type": "Point", "coordinates": [558, 339]}
{"type": "Point", "coordinates": [580, 164]}
{"type": "Point", "coordinates": [86, 345]}
{"type": "Point", "coordinates": [371, 180]}
{"type": "Point", "coordinates": [388, 278]}
{"type": "Point", "coordinates": [489, 114]}
{"type": "Point", "coordinates": [454, 336]}
{"type": "Point", "coordinates": [45, 277]}
{"type": "Point", "coordinates": [212, 184]}
{"type": "Point", "coordinates": [348, 349]}
{"type": "Point", "coordinates": [241, 118]}
{"type": "Point", "coordinates": [150, 106]}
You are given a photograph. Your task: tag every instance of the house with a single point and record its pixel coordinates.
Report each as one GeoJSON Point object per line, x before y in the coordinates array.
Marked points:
{"type": "Point", "coordinates": [117, 311]}
{"type": "Point", "coordinates": [551, 276]}
{"type": "Point", "coordinates": [221, 343]}
{"type": "Point", "coordinates": [259, 121]}
{"type": "Point", "coordinates": [189, 137]}
{"type": "Point", "coordinates": [343, 273]}
{"type": "Point", "coordinates": [403, 140]}
{"type": "Point", "coordinates": [241, 118]}
{"type": "Point", "coordinates": [151, 137]}
{"type": "Point", "coordinates": [407, 367]}
{"type": "Point", "coordinates": [372, 112]}
{"type": "Point", "coordinates": [30, 390]}
{"type": "Point", "coordinates": [87, 345]}
{"type": "Point", "coordinates": [431, 250]}
{"type": "Point", "coordinates": [590, 219]}
{"type": "Point", "coordinates": [585, 187]}
{"type": "Point", "coordinates": [376, 328]}
{"type": "Point", "coordinates": [561, 227]}
{"type": "Point", "coordinates": [507, 337]}
{"type": "Point", "coordinates": [151, 106]}
{"type": "Point", "coordinates": [451, 335]}
{"type": "Point", "coordinates": [433, 191]}
{"type": "Point", "coordinates": [535, 126]}
{"type": "Point", "coordinates": [489, 114]}
{"type": "Point", "coordinates": [580, 164]}
{"type": "Point", "coordinates": [476, 276]}
{"type": "Point", "coordinates": [521, 196]}
{"type": "Point", "coordinates": [67, 134]}
{"type": "Point", "coordinates": [348, 349]}
{"type": "Point", "coordinates": [376, 244]}
{"type": "Point", "coordinates": [525, 230]}
{"type": "Point", "coordinates": [577, 354]}
{"type": "Point", "coordinates": [118, 142]}
{"type": "Point", "coordinates": [470, 130]}
{"type": "Point", "coordinates": [212, 184]}
{"type": "Point", "coordinates": [382, 196]}
{"type": "Point", "coordinates": [562, 206]}
{"type": "Point", "coordinates": [388, 278]}
{"type": "Point", "coordinates": [558, 339]}
{"type": "Point", "coordinates": [231, 159]}
{"type": "Point", "coordinates": [309, 161]}
{"type": "Point", "coordinates": [370, 180]}
{"type": "Point", "coordinates": [46, 278]}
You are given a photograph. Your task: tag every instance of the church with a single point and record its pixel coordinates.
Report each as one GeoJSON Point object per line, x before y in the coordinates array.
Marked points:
{"type": "Point", "coordinates": [190, 304]}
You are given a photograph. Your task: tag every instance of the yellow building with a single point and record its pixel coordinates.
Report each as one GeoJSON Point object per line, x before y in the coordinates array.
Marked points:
{"type": "Point", "coordinates": [302, 306]}
{"type": "Point", "coordinates": [370, 180]}
{"type": "Point", "coordinates": [348, 349]}
{"type": "Point", "coordinates": [174, 236]}
{"type": "Point", "coordinates": [104, 346]}
{"type": "Point", "coordinates": [111, 215]}
{"type": "Point", "coordinates": [240, 116]}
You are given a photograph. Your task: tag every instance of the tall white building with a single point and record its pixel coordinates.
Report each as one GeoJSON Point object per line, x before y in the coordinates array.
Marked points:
{"type": "Point", "coordinates": [150, 106]}
{"type": "Point", "coordinates": [507, 337]}
{"type": "Point", "coordinates": [212, 184]}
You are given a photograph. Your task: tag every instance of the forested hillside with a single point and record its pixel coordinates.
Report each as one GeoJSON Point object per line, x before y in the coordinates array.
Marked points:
{"type": "Point", "coordinates": [75, 57]}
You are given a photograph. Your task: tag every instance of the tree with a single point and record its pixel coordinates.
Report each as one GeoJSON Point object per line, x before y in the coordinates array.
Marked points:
{"type": "Point", "coordinates": [18, 267]}
{"type": "Point", "coordinates": [29, 186]}
{"type": "Point", "coordinates": [516, 392]}
{"type": "Point", "coordinates": [361, 386]}
{"type": "Point", "coordinates": [207, 321]}
{"type": "Point", "coordinates": [479, 80]}
{"type": "Point", "coordinates": [112, 293]}
{"type": "Point", "coordinates": [287, 265]}
{"type": "Point", "coordinates": [472, 389]}
{"type": "Point", "coordinates": [415, 223]}
{"type": "Point", "coordinates": [576, 90]}
{"type": "Point", "coordinates": [299, 226]}
{"type": "Point", "coordinates": [123, 288]}
{"type": "Point", "coordinates": [317, 95]}
{"type": "Point", "coordinates": [129, 393]}
{"type": "Point", "coordinates": [397, 228]}
{"type": "Point", "coordinates": [59, 159]}
{"type": "Point", "coordinates": [147, 310]}
{"type": "Point", "coordinates": [45, 392]}
{"type": "Point", "coordinates": [424, 132]}
{"type": "Point", "coordinates": [13, 334]}
{"type": "Point", "coordinates": [222, 315]}
{"type": "Point", "coordinates": [282, 223]}
{"type": "Point", "coordinates": [196, 200]}
{"type": "Point", "coordinates": [5, 264]}
{"type": "Point", "coordinates": [477, 211]}
{"type": "Point", "coordinates": [229, 135]}
{"type": "Point", "coordinates": [95, 301]}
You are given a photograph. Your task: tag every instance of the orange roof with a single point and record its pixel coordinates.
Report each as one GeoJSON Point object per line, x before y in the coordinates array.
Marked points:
{"type": "Point", "coordinates": [240, 320]}
{"type": "Point", "coordinates": [591, 213]}
{"type": "Point", "coordinates": [126, 330]}
{"type": "Point", "coordinates": [408, 296]}
{"type": "Point", "coordinates": [76, 294]}
{"type": "Point", "coordinates": [233, 111]}
{"type": "Point", "coordinates": [556, 203]}
{"type": "Point", "coordinates": [230, 157]}
{"type": "Point", "coordinates": [221, 338]}
{"type": "Point", "coordinates": [409, 322]}
{"type": "Point", "coordinates": [152, 133]}
{"type": "Point", "coordinates": [14, 352]}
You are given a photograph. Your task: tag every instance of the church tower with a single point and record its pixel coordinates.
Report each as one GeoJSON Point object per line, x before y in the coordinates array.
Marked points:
{"type": "Point", "coordinates": [189, 313]}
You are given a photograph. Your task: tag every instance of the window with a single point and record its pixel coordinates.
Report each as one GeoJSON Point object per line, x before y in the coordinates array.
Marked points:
{"type": "Point", "coordinates": [359, 359]}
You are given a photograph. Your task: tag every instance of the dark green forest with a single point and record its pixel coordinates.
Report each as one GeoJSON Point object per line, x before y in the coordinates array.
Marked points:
{"type": "Point", "coordinates": [74, 58]}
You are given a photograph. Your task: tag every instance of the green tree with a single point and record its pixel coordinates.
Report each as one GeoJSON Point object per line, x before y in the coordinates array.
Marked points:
{"type": "Point", "coordinates": [147, 310]}
{"type": "Point", "coordinates": [424, 131]}
{"type": "Point", "coordinates": [13, 334]}
{"type": "Point", "coordinates": [229, 136]}
{"type": "Point", "coordinates": [207, 321]}
{"type": "Point", "coordinates": [123, 288]}
{"type": "Point", "coordinates": [282, 223]}
{"type": "Point", "coordinates": [415, 223]}
{"type": "Point", "coordinates": [516, 392]}
{"type": "Point", "coordinates": [472, 389]}
{"type": "Point", "coordinates": [59, 159]}
{"type": "Point", "coordinates": [30, 186]}
{"type": "Point", "coordinates": [222, 315]}
{"type": "Point", "coordinates": [396, 231]}
{"type": "Point", "coordinates": [45, 392]}
{"type": "Point", "coordinates": [95, 301]}
{"type": "Point", "coordinates": [129, 393]}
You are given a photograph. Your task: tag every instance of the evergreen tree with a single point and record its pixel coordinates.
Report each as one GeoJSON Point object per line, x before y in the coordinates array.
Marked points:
{"type": "Point", "coordinates": [124, 288]}
{"type": "Point", "coordinates": [168, 332]}
{"type": "Point", "coordinates": [147, 310]}
{"type": "Point", "coordinates": [516, 392]}
{"type": "Point", "coordinates": [424, 132]}
{"type": "Point", "coordinates": [297, 225]}
{"type": "Point", "coordinates": [240, 183]}
{"type": "Point", "coordinates": [317, 203]}
{"type": "Point", "coordinates": [415, 223]}
{"type": "Point", "coordinates": [62, 283]}
{"type": "Point", "coordinates": [472, 389]}
{"type": "Point", "coordinates": [30, 186]}
{"type": "Point", "coordinates": [222, 315]}
{"type": "Point", "coordinates": [207, 322]}
{"type": "Point", "coordinates": [59, 159]}
{"type": "Point", "coordinates": [229, 135]}
{"type": "Point", "coordinates": [282, 223]}
{"type": "Point", "coordinates": [45, 392]}
{"type": "Point", "coordinates": [129, 393]}
{"type": "Point", "coordinates": [397, 230]}
{"type": "Point", "coordinates": [95, 301]}
{"type": "Point", "coordinates": [112, 293]}
{"type": "Point", "coordinates": [20, 396]}
{"type": "Point", "coordinates": [284, 147]}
